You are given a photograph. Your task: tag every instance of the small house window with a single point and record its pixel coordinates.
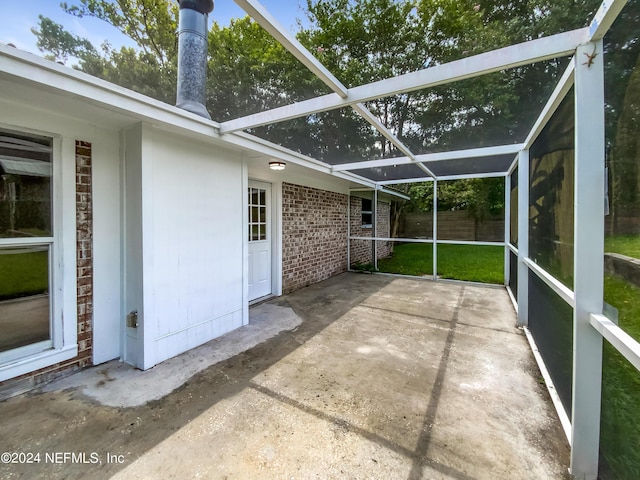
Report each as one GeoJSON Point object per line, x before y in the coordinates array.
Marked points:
{"type": "Point", "coordinates": [367, 213]}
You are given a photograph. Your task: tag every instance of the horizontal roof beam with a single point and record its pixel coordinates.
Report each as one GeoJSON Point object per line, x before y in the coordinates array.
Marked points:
{"type": "Point", "coordinates": [469, 176]}
{"type": "Point", "coordinates": [395, 194]}
{"type": "Point", "coordinates": [433, 157]}
{"type": "Point", "coordinates": [533, 51]}
{"type": "Point", "coordinates": [406, 180]}
{"type": "Point", "coordinates": [444, 178]}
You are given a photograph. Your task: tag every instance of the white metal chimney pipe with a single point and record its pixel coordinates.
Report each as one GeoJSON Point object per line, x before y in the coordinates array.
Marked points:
{"type": "Point", "coordinates": [192, 55]}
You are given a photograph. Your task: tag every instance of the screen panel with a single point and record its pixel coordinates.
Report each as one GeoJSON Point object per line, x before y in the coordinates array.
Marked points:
{"type": "Point", "coordinates": [471, 209]}
{"type": "Point", "coordinates": [620, 422]}
{"type": "Point", "coordinates": [513, 223]}
{"type": "Point", "coordinates": [513, 274]}
{"type": "Point", "coordinates": [551, 194]}
{"type": "Point", "coordinates": [551, 324]}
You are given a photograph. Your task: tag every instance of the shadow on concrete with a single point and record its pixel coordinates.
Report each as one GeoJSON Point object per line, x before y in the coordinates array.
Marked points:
{"type": "Point", "coordinates": [300, 371]}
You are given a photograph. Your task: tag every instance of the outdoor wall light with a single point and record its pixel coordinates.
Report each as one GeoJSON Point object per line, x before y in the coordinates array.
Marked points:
{"type": "Point", "coordinates": [277, 165]}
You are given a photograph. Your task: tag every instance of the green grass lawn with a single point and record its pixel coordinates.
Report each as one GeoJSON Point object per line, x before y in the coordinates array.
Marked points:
{"type": "Point", "coordinates": [477, 263]}
{"type": "Point", "coordinates": [628, 245]}
{"type": "Point", "coordinates": [23, 274]}
{"type": "Point", "coordinates": [620, 423]}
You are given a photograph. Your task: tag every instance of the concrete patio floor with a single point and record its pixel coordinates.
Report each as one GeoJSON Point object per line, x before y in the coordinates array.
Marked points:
{"type": "Point", "coordinates": [384, 378]}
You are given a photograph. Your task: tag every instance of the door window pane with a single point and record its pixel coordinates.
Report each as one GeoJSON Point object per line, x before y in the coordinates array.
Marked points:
{"type": "Point", "coordinates": [257, 214]}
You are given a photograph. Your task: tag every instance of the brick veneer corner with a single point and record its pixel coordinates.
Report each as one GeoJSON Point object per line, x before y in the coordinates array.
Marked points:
{"type": "Point", "coordinates": [361, 249]}
{"type": "Point", "coordinates": [84, 253]}
{"type": "Point", "coordinates": [314, 235]}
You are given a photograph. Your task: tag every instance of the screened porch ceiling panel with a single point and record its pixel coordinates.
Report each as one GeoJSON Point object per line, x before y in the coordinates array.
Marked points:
{"type": "Point", "coordinates": [304, 124]}
{"type": "Point", "coordinates": [398, 172]}
{"type": "Point", "coordinates": [335, 137]}
{"type": "Point", "coordinates": [472, 166]}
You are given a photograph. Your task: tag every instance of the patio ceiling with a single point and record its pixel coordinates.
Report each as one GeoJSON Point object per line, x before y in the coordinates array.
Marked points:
{"type": "Point", "coordinates": [484, 154]}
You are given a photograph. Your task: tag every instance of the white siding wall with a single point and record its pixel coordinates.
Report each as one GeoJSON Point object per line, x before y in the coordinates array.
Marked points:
{"type": "Point", "coordinates": [132, 258]}
{"type": "Point", "coordinates": [107, 214]}
{"type": "Point", "coordinates": [192, 260]}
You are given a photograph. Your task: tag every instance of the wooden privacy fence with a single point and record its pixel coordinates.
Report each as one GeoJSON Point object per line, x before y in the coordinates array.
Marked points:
{"type": "Point", "coordinates": [453, 225]}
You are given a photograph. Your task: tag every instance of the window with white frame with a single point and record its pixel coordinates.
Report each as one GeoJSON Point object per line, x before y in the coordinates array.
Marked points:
{"type": "Point", "coordinates": [367, 213]}
{"type": "Point", "coordinates": [26, 240]}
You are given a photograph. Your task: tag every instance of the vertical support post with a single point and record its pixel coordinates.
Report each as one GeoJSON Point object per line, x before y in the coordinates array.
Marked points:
{"type": "Point", "coordinates": [374, 230]}
{"type": "Point", "coordinates": [588, 259]}
{"type": "Point", "coordinates": [245, 242]}
{"type": "Point", "coordinates": [349, 231]}
{"type": "Point", "coordinates": [507, 227]}
{"type": "Point", "coordinates": [435, 229]}
{"type": "Point", "coordinates": [523, 237]}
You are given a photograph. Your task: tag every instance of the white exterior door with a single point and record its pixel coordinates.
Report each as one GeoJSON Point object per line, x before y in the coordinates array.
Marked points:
{"type": "Point", "coordinates": [259, 201]}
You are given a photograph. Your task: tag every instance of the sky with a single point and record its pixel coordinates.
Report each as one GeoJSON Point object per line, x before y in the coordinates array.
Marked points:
{"type": "Point", "coordinates": [18, 17]}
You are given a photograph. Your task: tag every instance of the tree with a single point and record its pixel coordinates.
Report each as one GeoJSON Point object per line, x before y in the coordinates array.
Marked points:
{"type": "Point", "coordinates": [249, 71]}
{"type": "Point", "coordinates": [152, 24]}
{"type": "Point", "coordinates": [60, 44]}
{"type": "Point", "coordinates": [622, 95]}
{"type": "Point", "coordinates": [365, 41]}
{"type": "Point", "coordinates": [149, 69]}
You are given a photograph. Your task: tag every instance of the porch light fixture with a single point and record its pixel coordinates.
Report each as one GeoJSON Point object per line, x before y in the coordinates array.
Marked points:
{"type": "Point", "coordinates": [276, 165]}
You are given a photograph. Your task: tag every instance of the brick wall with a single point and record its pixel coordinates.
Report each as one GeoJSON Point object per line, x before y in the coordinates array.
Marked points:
{"type": "Point", "coordinates": [361, 249]}
{"type": "Point", "coordinates": [84, 284]}
{"type": "Point", "coordinates": [384, 229]}
{"type": "Point", "coordinates": [314, 235]}
{"type": "Point", "coordinates": [84, 254]}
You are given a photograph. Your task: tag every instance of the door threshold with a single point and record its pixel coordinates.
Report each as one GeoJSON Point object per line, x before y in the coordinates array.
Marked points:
{"type": "Point", "coordinates": [261, 299]}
